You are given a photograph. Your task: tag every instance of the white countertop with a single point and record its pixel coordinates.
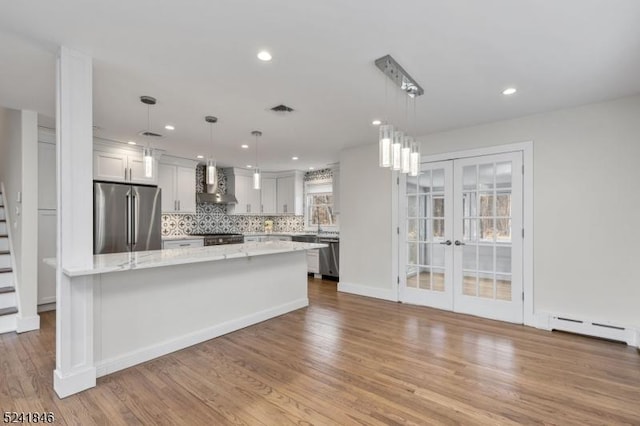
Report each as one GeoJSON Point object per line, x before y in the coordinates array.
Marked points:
{"type": "Point", "coordinates": [115, 262]}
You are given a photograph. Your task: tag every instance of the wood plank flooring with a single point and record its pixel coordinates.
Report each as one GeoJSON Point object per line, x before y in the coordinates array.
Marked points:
{"type": "Point", "coordinates": [346, 360]}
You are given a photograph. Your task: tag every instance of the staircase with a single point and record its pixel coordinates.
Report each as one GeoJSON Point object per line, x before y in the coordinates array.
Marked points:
{"type": "Point", "coordinates": [8, 302]}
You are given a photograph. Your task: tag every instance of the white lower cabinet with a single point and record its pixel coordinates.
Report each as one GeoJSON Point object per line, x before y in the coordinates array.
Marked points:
{"type": "Point", "coordinates": [313, 261]}
{"type": "Point", "coordinates": [173, 244]}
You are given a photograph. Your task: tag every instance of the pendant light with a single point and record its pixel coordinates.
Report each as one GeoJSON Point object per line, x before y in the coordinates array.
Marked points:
{"type": "Point", "coordinates": [147, 152]}
{"type": "Point", "coordinates": [256, 171]}
{"type": "Point", "coordinates": [211, 172]}
{"type": "Point", "coordinates": [386, 136]}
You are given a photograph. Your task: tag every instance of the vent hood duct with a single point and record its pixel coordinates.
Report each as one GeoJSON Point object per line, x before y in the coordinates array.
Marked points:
{"type": "Point", "coordinates": [215, 197]}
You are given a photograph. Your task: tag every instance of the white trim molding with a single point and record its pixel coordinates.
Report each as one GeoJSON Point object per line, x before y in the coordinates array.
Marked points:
{"type": "Point", "coordinates": [390, 294]}
{"type": "Point", "coordinates": [27, 323]}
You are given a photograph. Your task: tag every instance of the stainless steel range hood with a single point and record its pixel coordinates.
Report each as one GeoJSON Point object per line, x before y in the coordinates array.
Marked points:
{"type": "Point", "coordinates": [215, 197]}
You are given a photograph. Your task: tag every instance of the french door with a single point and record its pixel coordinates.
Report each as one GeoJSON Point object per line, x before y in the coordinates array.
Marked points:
{"type": "Point", "coordinates": [461, 236]}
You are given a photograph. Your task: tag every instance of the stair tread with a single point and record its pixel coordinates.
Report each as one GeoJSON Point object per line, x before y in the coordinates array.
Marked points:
{"type": "Point", "coordinates": [9, 289]}
{"type": "Point", "coordinates": [4, 236]}
{"type": "Point", "coordinates": [5, 270]}
{"type": "Point", "coordinates": [4, 252]}
{"type": "Point", "coordinates": [8, 311]}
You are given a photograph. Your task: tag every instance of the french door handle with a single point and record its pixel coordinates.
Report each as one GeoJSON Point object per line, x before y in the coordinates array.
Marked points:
{"type": "Point", "coordinates": [459, 243]}
{"type": "Point", "coordinates": [446, 243]}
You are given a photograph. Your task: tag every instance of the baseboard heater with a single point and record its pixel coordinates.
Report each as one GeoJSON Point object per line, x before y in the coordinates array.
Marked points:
{"type": "Point", "coordinates": [595, 329]}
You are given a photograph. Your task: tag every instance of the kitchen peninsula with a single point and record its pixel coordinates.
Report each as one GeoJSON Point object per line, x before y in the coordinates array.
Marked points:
{"type": "Point", "coordinates": [129, 308]}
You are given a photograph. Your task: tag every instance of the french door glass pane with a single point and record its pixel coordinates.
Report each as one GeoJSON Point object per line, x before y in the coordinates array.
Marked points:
{"type": "Point", "coordinates": [437, 279]}
{"type": "Point", "coordinates": [487, 221]}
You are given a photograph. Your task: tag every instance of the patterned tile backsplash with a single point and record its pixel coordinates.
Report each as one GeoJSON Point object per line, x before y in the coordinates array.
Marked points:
{"type": "Point", "coordinates": [213, 219]}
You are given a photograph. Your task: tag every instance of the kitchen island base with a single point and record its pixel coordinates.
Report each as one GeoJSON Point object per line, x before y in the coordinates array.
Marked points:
{"type": "Point", "coordinates": [128, 317]}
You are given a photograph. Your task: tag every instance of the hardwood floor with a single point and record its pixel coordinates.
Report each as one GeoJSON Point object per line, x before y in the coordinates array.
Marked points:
{"type": "Point", "coordinates": [346, 360]}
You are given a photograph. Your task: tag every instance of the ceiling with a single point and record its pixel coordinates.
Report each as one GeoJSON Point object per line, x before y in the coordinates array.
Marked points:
{"type": "Point", "coordinates": [198, 57]}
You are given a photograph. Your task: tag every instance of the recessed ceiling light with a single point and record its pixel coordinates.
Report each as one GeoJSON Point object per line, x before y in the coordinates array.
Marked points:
{"type": "Point", "coordinates": [509, 91]}
{"type": "Point", "coordinates": [294, 158]}
{"type": "Point", "coordinates": [169, 127]}
{"type": "Point", "coordinates": [311, 168]}
{"type": "Point", "coordinates": [200, 156]}
{"type": "Point", "coordinates": [376, 122]}
{"type": "Point", "coordinates": [131, 143]}
{"type": "Point", "coordinates": [249, 166]}
{"type": "Point", "coordinates": [264, 56]}
{"type": "Point", "coordinates": [245, 146]}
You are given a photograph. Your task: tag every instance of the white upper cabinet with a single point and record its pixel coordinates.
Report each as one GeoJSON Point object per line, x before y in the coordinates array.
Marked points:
{"type": "Point", "coordinates": [269, 200]}
{"type": "Point", "coordinates": [114, 163]}
{"type": "Point", "coordinates": [290, 195]}
{"type": "Point", "coordinates": [240, 184]}
{"type": "Point", "coordinates": [177, 179]}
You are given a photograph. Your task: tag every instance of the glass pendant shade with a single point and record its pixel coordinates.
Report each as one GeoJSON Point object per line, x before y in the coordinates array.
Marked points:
{"type": "Point", "coordinates": [256, 179]}
{"type": "Point", "coordinates": [212, 177]}
{"type": "Point", "coordinates": [414, 160]}
{"type": "Point", "coordinates": [405, 156]}
{"type": "Point", "coordinates": [147, 158]}
{"type": "Point", "coordinates": [396, 150]}
{"type": "Point", "coordinates": [386, 136]}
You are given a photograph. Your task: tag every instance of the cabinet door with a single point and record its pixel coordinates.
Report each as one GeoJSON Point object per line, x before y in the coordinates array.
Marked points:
{"type": "Point", "coordinates": [109, 166]}
{"type": "Point", "coordinates": [269, 201]}
{"type": "Point", "coordinates": [46, 176]}
{"type": "Point", "coordinates": [167, 183]}
{"type": "Point", "coordinates": [136, 171]}
{"type": "Point", "coordinates": [241, 188]}
{"type": "Point", "coordinates": [285, 195]}
{"type": "Point", "coordinates": [46, 248]}
{"type": "Point", "coordinates": [186, 189]}
{"type": "Point", "coordinates": [254, 199]}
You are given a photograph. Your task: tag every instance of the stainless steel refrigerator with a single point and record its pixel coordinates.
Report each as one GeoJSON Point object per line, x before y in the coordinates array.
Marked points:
{"type": "Point", "coordinates": [126, 218]}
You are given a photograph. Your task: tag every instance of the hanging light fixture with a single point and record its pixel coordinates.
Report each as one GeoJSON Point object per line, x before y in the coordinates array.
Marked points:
{"type": "Point", "coordinates": [256, 171]}
{"type": "Point", "coordinates": [211, 172]}
{"type": "Point", "coordinates": [147, 152]}
{"type": "Point", "coordinates": [398, 150]}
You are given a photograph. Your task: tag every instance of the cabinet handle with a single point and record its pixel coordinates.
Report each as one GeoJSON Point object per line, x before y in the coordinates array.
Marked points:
{"type": "Point", "coordinates": [130, 174]}
{"type": "Point", "coordinates": [125, 173]}
{"type": "Point", "coordinates": [175, 205]}
{"type": "Point", "coordinates": [178, 205]}
{"type": "Point", "coordinates": [284, 208]}
{"type": "Point", "coordinates": [261, 208]}
{"type": "Point", "coordinates": [185, 245]}
{"type": "Point", "coordinates": [248, 208]}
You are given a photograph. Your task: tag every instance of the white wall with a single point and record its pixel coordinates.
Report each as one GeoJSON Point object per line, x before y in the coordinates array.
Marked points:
{"type": "Point", "coordinates": [19, 172]}
{"type": "Point", "coordinates": [586, 204]}
{"type": "Point", "coordinates": [365, 224]}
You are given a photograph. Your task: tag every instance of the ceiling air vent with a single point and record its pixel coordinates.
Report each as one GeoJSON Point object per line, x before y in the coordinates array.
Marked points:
{"type": "Point", "coordinates": [282, 109]}
{"type": "Point", "coordinates": [150, 134]}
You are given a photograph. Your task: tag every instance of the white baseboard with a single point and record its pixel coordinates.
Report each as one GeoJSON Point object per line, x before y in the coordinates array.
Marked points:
{"type": "Point", "coordinates": [130, 359]}
{"type": "Point", "coordinates": [24, 324]}
{"type": "Point", "coordinates": [602, 329]}
{"type": "Point", "coordinates": [364, 290]}
{"type": "Point", "coordinates": [75, 382]}
{"type": "Point", "coordinates": [8, 323]}
{"type": "Point", "coordinates": [541, 321]}
{"type": "Point", "coordinates": [47, 307]}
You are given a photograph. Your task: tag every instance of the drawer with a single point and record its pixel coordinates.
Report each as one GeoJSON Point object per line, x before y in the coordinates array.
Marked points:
{"type": "Point", "coordinates": [182, 243]}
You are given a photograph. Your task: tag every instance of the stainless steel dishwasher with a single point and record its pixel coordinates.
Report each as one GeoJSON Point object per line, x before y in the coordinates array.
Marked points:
{"type": "Point", "coordinates": [330, 257]}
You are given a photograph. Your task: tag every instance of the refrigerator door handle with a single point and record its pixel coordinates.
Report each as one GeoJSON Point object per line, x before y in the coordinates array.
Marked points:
{"type": "Point", "coordinates": [128, 229]}
{"type": "Point", "coordinates": [134, 219]}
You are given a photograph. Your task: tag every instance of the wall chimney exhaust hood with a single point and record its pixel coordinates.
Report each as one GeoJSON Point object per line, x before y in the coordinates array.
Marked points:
{"type": "Point", "coordinates": [215, 197]}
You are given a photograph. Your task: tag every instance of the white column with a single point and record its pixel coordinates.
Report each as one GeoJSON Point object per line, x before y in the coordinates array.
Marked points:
{"type": "Point", "coordinates": [75, 369]}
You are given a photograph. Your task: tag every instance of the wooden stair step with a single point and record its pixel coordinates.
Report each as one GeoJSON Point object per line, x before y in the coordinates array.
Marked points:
{"type": "Point", "coordinates": [4, 252]}
{"type": "Point", "coordinates": [9, 289]}
{"type": "Point", "coordinates": [8, 311]}
{"type": "Point", "coordinates": [5, 270]}
{"type": "Point", "coordinates": [4, 236]}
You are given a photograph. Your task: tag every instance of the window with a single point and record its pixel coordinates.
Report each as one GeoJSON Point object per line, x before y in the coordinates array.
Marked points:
{"type": "Point", "coordinates": [319, 205]}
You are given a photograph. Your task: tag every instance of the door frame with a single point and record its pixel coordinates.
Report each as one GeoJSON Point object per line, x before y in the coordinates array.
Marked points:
{"type": "Point", "coordinates": [526, 148]}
